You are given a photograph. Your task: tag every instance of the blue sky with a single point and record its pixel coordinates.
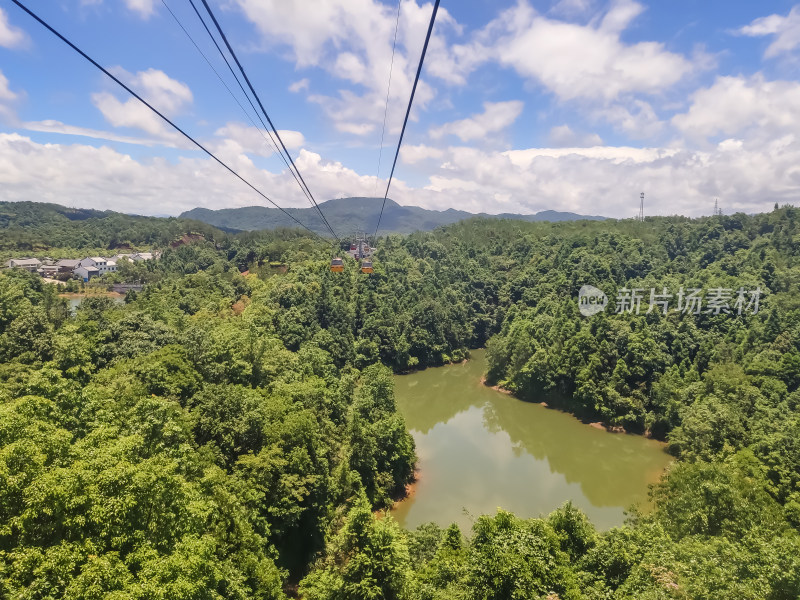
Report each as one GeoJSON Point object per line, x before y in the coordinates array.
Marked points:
{"type": "Point", "coordinates": [524, 105]}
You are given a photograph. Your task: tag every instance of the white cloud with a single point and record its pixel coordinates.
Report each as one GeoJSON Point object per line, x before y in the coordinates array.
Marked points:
{"type": "Point", "coordinates": [132, 113]}
{"type": "Point", "coordinates": [735, 105]}
{"type": "Point", "coordinates": [786, 31]}
{"type": "Point", "coordinates": [299, 86]}
{"type": "Point", "coordinates": [52, 126]}
{"type": "Point", "coordinates": [87, 176]}
{"type": "Point", "coordinates": [10, 36]}
{"type": "Point", "coordinates": [168, 95]}
{"type": "Point", "coordinates": [352, 41]}
{"type": "Point", "coordinates": [5, 90]}
{"type": "Point", "coordinates": [413, 154]}
{"type": "Point", "coordinates": [614, 154]}
{"type": "Point", "coordinates": [355, 128]}
{"type": "Point", "coordinates": [602, 180]}
{"type": "Point", "coordinates": [495, 117]}
{"type": "Point", "coordinates": [242, 138]}
{"type": "Point", "coordinates": [7, 97]}
{"type": "Point", "coordinates": [620, 15]}
{"type": "Point", "coordinates": [636, 118]}
{"type": "Point", "coordinates": [607, 181]}
{"type": "Point", "coordinates": [144, 8]}
{"type": "Point", "coordinates": [585, 61]}
{"type": "Point", "coordinates": [572, 8]}
{"type": "Point", "coordinates": [563, 136]}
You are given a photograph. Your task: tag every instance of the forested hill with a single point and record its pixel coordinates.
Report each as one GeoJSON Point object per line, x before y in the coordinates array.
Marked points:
{"type": "Point", "coordinates": [228, 436]}
{"type": "Point", "coordinates": [38, 227]}
{"type": "Point", "coordinates": [355, 214]}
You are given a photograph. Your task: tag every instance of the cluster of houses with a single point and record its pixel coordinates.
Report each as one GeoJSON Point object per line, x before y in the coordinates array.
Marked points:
{"type": "Point", "coordinates": [83, 269]}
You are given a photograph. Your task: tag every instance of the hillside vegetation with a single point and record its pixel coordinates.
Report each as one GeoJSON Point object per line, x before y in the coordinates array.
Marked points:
{"type": "Point", "coordinates": [229, 436]}
{"type": "Point", "coordinates": [39, 228]}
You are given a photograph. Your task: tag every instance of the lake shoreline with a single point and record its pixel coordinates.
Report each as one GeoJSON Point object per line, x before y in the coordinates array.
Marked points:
{"type": "Point", "coordinates": [478, 451]}
{"type": "Point", "coordinates": [409, 489]}
{"type": "Point", "coordinates": [594, 424]}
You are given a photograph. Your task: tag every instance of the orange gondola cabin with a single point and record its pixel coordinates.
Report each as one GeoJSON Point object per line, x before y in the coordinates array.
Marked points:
{"type": "Point", "coordinates": [337, 265]}
{"type": "Point", "coordinates": [366, 266]}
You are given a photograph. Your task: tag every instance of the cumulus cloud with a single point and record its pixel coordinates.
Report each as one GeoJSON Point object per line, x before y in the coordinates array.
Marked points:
{"type": "Point", "coordinates": [614, 154]}
{"type": "Point", "coordinates": [742, 105]}
{"type": "Point", "coordinates": [10, 36]}
{"type": "Point", "coordinates": [563, 136]}
{"type": "Point", "coordinates": [607, 181]}
{"type": "Point", "coordinates": [168, 95]}
{"type": "Point", "coordinates": [352, 41]}
{"type": "Point", "coordinates": [410, 154]}
{"type": "Point", "coordinates": [88, 176]}
{"type": "Point", "coordinates": [602, 180]}
{"type": "Point", "coordinates": [5, 91]}
{"type": "Point", "coordinates": [144, 8]}
{"type": "Point", "coordinates": [240, 138]}
{"type": "Point", "coordinates": [785, 31]}
{"type": "Point", "coordinates": [572, 8]}
{"type": "Point", "coordinates": [7, 97]}
{"type": "Point", "coordinates": [299, 86]}
{"type": "Point", "coordinates": [585, 61]}
{"type": "Point", "coordinates": [134, 114]}
{"type": "Point", "coordinates": [496, 116]}
{"type": "Point", "coordinates": [636, 118]}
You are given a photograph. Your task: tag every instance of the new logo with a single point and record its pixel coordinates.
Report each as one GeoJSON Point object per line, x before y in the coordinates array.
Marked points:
{"type": "Point", "coordinates": [591, 300]}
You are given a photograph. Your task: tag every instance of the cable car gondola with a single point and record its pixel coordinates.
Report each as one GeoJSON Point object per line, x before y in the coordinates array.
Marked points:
{"type": "Point", "coordinates": [366, 266]}
{"type": "Point", "coordinates": [337, 265]}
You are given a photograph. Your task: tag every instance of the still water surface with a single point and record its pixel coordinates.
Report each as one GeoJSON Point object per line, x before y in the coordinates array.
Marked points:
{"type": "Point", "coordinates": [480, 449]}
{"type": "Point", "coordinates": [74, 300]}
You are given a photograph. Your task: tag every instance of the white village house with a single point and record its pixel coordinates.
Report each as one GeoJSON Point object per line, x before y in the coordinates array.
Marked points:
{"type": "Point", "coordinates": [136, 256]}
{"type": "Point", "coordinates": [94, 266]}
{"type": "Point", "coordinates": [84, 269]}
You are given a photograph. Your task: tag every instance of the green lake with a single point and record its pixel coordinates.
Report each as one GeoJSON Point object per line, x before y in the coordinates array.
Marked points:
{"type": "Point", "coordinates": [480, 450]}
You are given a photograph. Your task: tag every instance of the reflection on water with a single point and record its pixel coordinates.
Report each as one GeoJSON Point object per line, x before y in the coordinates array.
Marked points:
{"type": "Point", "coordinates": [480, 449]}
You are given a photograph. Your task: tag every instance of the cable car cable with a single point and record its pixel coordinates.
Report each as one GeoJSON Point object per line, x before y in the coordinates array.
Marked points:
{"type": "Point", "coordinates": [408, 111]}
{"type": "Point", "coordinates": [255, 110]}
{"type": "Point", "coordinates": [388, 89]}
{"type": "Point", "coordinates": [221, 80]}
{"type": "Point", "coordinates": [261, 105]}
{"type": "Point", "coordinates": [151, 107]}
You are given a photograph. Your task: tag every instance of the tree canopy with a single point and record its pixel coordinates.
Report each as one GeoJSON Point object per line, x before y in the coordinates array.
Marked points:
{"type": "Point", "coordinates": [221, 435]}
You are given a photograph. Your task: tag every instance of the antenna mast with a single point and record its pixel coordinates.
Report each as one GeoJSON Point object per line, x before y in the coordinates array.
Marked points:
{"type": "Point", "coordinates": [641, 206]}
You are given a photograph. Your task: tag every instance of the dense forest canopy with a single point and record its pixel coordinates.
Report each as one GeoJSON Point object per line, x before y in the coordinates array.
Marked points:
{"type": "Point", "coordinates": [230, 436]}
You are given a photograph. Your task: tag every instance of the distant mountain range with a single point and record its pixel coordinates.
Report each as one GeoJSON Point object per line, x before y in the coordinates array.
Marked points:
{"type": "Point", "coordinates": [356, 214]}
